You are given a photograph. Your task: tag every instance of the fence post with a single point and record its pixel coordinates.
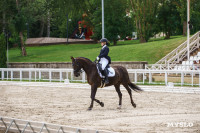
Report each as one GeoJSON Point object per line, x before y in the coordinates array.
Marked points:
{"type": "Point", "coordinates": [135, 77]}
{"type": "Point", "coordinates": [7, 74]}
{"type": "Point", "coordinates": [182, 78]}
{"type": "Point", "coordinates": [20, 75]}
{"type": "Point", "coordinates": [150, 77]}
{"type": "Point", "coordinates": [39, 75]}
{"type": "Point", "coordinates": [72, 75]}
{"type": "Point", "coordinates": [50, 75]}
{"type": "Point", "coordinates": [60, 75]}
{"type": "Point", "coordinates": [143, 77]}
{"type": "Point", "coordinates": [30, 75]}
{"type": "Point", "coordinates": [35, 75]}
{"type": "Point", "coordinates": [83, 77]}
{"type": "Point", "coordinates": [192, 79]}
{"type": "Point", "coordinates": [11, 75]}
{"type": "Point", "coordinates": [2, 75]}
{"type": "Point", "coordinates": [166, 78]}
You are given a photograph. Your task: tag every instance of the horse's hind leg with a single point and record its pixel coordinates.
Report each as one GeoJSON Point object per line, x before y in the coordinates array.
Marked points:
{"type": "Point", "coordinates": [130, 94]}
{"type": "Point", "coordinates": [117, 88]}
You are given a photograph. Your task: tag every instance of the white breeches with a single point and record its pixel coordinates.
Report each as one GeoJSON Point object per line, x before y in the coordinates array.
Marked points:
{"type": "Point", "coordinates": [103, 62]}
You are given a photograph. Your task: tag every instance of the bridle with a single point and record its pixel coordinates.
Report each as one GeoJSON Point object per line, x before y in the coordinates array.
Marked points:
{"type": "Point", "coordinates": [77, 65]}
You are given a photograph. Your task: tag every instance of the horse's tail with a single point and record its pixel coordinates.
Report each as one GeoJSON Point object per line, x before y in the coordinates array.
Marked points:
{"type": "Point", "coordinates": [134, 87]}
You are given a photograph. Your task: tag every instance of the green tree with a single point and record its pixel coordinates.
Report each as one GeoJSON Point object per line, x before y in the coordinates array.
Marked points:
{"type": "Point", "coordinates": [116, 21]}
{"type": "Point", "coordinates": [144, 12]}
{"type": "Point", "coordinates": [20, 22]}
{"type": "Point", "coordinates": [195, 16]}
{"type": "Point", "coordinates": [182, 9]}
{"type": "Point", "coordinates": [2, 51]}
{"type": "Point", "coordinates": [168, 18]}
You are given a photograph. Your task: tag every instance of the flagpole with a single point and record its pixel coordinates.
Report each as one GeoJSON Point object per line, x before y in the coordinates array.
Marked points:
{"type": "Point", "coordinates": [188, 29]}
{"type": "Point", "coordinates": [102, 3]}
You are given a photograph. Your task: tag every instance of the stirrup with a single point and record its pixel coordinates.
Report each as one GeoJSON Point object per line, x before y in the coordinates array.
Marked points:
{"type": "Point", "coordinates": [106, 81]}
{"type": "Point", "coordinates": [102, 83]}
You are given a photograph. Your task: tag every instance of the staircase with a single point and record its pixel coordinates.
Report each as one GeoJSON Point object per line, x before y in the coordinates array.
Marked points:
{"type": "Point", "coordinates": [178, 55]}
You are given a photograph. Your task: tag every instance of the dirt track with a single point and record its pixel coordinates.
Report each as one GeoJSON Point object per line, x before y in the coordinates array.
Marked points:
{"type": "Point", "coordinates": [68, 106]}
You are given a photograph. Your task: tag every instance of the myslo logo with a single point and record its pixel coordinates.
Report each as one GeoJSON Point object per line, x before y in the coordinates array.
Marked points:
{"type": "Point", "coordinates": [180, 124]}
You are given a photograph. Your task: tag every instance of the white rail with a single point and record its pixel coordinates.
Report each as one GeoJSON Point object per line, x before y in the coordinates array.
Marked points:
{"type": "Point", "coordinates": [38, 74]}
{"type": "Point", "coordinates": [140, 76]}
{"type": "Point", "coordinates": [23, 126]}
{"type": "Point", "coordinates": [147, 76]}
{"type": "Point", "coordinates": [172, 67]}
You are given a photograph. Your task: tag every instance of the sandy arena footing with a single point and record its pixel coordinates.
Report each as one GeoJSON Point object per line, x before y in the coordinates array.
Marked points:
{"type": "Point", "coordinates": [158, 109]}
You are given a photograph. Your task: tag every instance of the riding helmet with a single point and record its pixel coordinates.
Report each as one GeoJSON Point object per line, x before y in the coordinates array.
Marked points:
{"type": "Point", "coordinates": [104, 40]}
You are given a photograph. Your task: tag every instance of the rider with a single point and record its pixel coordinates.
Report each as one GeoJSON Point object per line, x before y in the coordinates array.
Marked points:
{"type": "Point", "coordinates": [104, 58]}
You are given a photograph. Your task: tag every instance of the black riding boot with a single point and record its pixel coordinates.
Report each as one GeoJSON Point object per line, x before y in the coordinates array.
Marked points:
{"type": "Point", "coordinates": [106, 76]}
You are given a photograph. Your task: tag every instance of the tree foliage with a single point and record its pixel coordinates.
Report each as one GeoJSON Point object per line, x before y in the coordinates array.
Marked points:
{"type": "Point", "coordinates": [48, 17]}
{"type": "Point", "coordinates": [117, 24]}
{"type": "Point", "coordinates": [144, 12]}
{"type": "Point", "coordinates": [2, 51]}
{"type": "Point", "coordinates": [168, 19]}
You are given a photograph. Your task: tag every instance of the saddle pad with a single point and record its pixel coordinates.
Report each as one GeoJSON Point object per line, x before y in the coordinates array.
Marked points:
{"type": "Point", "coordinates": [110, 74]}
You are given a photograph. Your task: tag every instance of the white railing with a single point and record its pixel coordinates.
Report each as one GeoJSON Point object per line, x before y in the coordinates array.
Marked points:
{"type": "Point", "coordinates": [172, 67]}
{"type": "Point", "coordinates": [180, 52]}
{"type": "Point", "coordinates": [24, 126]}
{"type": "Point", "coordinates": [39, 74]}
{"type": "Point", "coordinates": [148, 75]}
{"type": "Point", "coordinates": [139, 76]}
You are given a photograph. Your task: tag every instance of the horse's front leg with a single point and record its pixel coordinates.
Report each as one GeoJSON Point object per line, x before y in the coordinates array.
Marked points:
{"type": "Point", "coordinates": [93, 93]}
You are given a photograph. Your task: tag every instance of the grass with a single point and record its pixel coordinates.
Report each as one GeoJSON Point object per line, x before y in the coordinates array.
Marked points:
{"type": "Point", "coordinates": [132, 50]}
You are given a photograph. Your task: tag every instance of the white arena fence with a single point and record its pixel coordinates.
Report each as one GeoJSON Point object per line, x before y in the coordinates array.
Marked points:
{"type": "Point", "coordinates": [172, 67]}
{"type": "Point", "coordinates": [39, 74]}
{"type": "Point", "coordinates": [140, 76]}
{"type": "Point", "coordinates": [23, 126]}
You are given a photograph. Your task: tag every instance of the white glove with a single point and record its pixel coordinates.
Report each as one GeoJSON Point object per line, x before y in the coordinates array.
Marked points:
{"type": "Point", "coordinates": [97, 58]}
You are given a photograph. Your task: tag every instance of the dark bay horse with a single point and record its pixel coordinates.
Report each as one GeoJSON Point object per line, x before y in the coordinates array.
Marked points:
{"type": "Point", "coordinates": [93, 78]}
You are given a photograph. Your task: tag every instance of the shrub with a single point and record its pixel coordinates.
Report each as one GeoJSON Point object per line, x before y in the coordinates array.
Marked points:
{"type": "Point", "coordinates": [3, 51]}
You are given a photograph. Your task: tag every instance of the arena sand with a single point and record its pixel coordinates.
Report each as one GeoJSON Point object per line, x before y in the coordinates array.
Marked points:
{"type": "Point", "coordinates": [67, 105]}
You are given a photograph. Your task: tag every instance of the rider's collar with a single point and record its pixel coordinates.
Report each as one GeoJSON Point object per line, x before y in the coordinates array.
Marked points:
{"type": "Point", "coordinates": [104, 46]}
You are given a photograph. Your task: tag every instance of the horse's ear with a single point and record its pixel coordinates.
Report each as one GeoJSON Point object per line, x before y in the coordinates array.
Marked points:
{"type": "Point", "coordinates": [72, 58]}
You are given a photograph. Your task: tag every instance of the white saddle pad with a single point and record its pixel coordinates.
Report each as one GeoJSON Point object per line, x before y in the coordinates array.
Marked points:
{"type": "Point", "coordinates": [110, 74]}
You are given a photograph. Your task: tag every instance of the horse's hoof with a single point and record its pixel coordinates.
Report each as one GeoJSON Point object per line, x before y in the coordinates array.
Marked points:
{"type": "Point", "coordinates": [89, 109]}
{"type": "Point", "coordinates": [102, 104]}
{"type": "Point", "coordinates": [134, 105]}
{"type": "Point", "coordinates": [120, 106]}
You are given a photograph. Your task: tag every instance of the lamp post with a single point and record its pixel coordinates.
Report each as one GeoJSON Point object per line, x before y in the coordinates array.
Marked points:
{"type": "Point", "coordinates": [188, 29]}
{"type": "Point", "coordinates": [102, 3]}
{"type": "Point", "coordinates": [27, 25]}
{"type": "Point", "coordinates": [7, 36]}
{"type": "Point", "coordinates": [67, 27]}
{"type": "Point", "coordinates": [68, 20]}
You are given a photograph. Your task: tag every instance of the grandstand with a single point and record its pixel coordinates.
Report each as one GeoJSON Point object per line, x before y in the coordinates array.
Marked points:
{"type": "Point", "coordinates": [177, 59]}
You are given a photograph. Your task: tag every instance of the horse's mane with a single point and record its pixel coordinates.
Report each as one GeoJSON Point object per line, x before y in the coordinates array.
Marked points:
{"type": "Point", "coordinates": [85, 59]}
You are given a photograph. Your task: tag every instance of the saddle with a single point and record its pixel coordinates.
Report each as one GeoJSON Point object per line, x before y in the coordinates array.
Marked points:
{"type": "Point", "coordinates": [101, 74]}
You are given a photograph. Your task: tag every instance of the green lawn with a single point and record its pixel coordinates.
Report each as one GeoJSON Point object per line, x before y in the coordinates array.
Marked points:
{"type": "Point", "coordinates": [132, 50]}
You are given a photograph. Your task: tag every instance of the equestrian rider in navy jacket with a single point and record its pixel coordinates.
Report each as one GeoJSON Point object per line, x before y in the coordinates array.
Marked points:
{"type": "Point", "coordinates": [104, 58]}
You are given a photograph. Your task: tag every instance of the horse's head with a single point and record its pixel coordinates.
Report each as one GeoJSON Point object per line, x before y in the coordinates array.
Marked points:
{"type": "Point", "coordinates": [76, 66]}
